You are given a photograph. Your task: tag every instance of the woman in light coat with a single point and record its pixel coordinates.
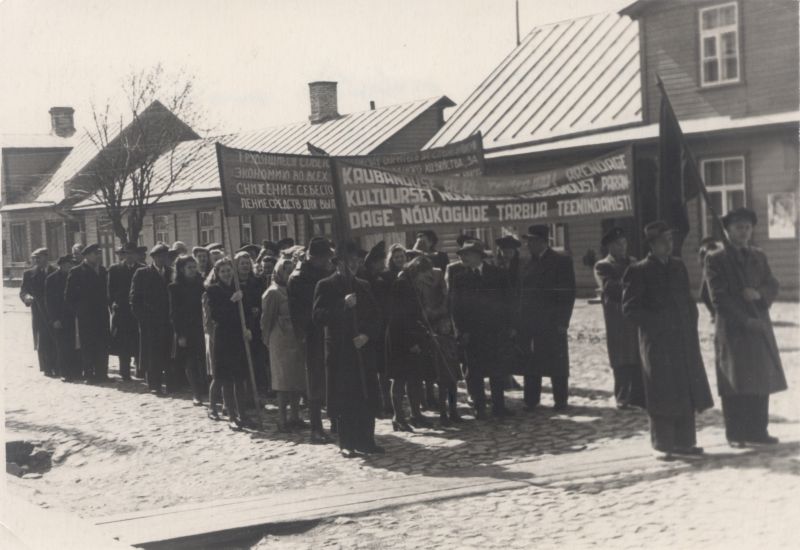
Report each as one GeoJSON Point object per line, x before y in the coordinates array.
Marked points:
{"type": "Point", "coordinates": [287, 357]}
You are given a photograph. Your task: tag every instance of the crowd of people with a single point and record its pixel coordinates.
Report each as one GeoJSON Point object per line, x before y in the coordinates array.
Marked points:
{"type": "Point", "coordinates": [356, 333]}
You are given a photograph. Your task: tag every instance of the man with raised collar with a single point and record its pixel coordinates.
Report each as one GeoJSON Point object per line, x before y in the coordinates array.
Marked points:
{"type": "Point", "coordinates": [149, 300]}
{"type": "Point", "coordinates": [656, 297]}
{"type": "Point", "coordinates": [124, 328]}
{"type": "Point", "coordinates": [622, 335]}
{"type": "Point", "coordinates": [749, 369]}
{"type": "Point", "coordinates": [85, 295]}
{"type": "Point", "coordinates": [62, 320]}
{"type": "Point", "coordinates": [32, 295]}
{"type": "Point", "coordinates": [548, 297]}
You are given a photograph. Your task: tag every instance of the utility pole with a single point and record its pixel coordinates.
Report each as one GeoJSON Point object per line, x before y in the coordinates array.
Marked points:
{"type": "Point", "coordinates": [516, 5]}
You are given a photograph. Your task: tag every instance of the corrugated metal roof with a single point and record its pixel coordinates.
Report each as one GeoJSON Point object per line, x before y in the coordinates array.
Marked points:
{"type": "Point", "coordinates": [570, 77]}
{"type": "Point", "coordinates": [80, 155]}
{"type": "Point", "coordinates": [349, 135]}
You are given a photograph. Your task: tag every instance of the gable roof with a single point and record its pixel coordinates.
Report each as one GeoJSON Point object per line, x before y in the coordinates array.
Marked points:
{"type": "Point", "coordinates": [354, 134]}
{"type": "Point", "coordinates": [571, 77]}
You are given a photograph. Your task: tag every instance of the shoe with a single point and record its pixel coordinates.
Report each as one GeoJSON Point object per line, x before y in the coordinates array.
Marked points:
{"type": "Point", "coordinates": [214, 415]}
{"type": "Point", "coordinates": [420, 422]}
{"type": "Point", "coordinates": [560, 407]}
{"type": "Point", "coordinates": [623, 406]}
{"type": "Point", "coordinates": [299, 424]}
{"type": "Point", "coordinates": [663, 456]}
{"type": "Point", "coordinates": [766, 440]}
{"type": "Point", "coordinates": [348, 453]}
{"type": "Point", "coordinates": [373, 450]}
{"type": "Point", "coordinates": [689, 452]}
{"type": "Point", "coordinates": [443, 419]}
{"type": "Point", "coordinates": [455, 418]}
{"type": "Point", "coordinates": [737, 444]}
{"type": "Point", "coordinates": [318, 437]}
{"type": "Point", "coordinates": [197, 403]}
{"type": "Point", "coordinates": [480, 414]}
{"type": "Point", "coordinates": [401, 426]}
{"type": "Point", "coordinates": [530, 408]}
{"type": "Point", "coordinates": [155, 392]}
{"type": "Point", "coordinates": [502, 413]}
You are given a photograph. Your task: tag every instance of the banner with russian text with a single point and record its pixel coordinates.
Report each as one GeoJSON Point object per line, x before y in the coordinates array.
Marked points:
{"type": "Point", "coordinates": [378, 199]}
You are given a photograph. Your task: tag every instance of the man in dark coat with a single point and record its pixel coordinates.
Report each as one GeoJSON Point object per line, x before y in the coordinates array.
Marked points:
{"type": "Point", "coordinates": [622, 335]}
{"type": "Point", "coordinates": [32, 295]}
{"type": "Point", "coordinates": [85, 295]}
{"type": "Point", "coordinates": [149, 299]}
{"type": "Point", "coordinates": [62, 321]}
{"type": "Point", "coordinates": [300, 289]}
{"type": "Point", "coordinates": [482, 320]}
{"type": "Point", "coordinates": [426, 241]}
{"type": "Point", "coordinates": [548, 296]}
{"type": "Point", "coordinates": [656, 296]}
{"type": "Point", "coordinates": [124, 329]}
{"type": "Point", "coordinates": [748, 363]}
{"type": "Point", "coordinates": [345, 308]}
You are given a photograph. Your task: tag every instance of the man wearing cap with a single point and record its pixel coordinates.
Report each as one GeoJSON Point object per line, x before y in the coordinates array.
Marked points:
{"type": "Point", "coordinates": [300, 289]}
{"type": "Point", "coordinates": [124, 329]}
{"type": "Point", "coordinates": [149, 299]}
{"type": "Point", "coordinates": [548, 297]}
{"type": "Point", "coordinates": [622, 335]}
{"type": "Point", "coordinates": [32, 295]}
{"type": "Point", "coordinates": [657, 298]}
{"type": "Point", "coordinates": [62, 321]}
{"type": "Point", "coordinates": [426, 242]}
{"type": "Point", "coordinates": [345, 308]}
{"type": "Point", "coordinates": [480, 315]}
{"type": "Point", "coordinates": [85, 295]}
{"type": "Point", "coordinates": [749, 368]}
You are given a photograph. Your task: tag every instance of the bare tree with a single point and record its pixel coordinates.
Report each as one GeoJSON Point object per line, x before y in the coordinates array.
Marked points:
{"type": "Point", "coordinates": [144, 151]}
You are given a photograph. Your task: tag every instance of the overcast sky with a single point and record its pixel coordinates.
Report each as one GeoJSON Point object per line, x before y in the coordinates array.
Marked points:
{"type": "Point", "coordinates": [253, 59]}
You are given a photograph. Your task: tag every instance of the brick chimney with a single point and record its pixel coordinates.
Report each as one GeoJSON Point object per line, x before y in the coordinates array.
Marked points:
{"type": "Point", "coordinates": [62, 121]}
{"type": "Point", "coordinates": [324, 105]}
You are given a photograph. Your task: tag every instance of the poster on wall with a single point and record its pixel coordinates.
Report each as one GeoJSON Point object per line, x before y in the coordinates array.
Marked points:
{"type": "Point", "coordinates": [782, 215]}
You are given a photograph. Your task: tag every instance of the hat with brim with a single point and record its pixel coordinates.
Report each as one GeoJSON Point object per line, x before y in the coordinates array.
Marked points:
{"type": "Point", "coordinates": [656, 229]}
{"type": "Point", "coordinates": [377, 253]}
{"type": "Point", "coordinates": [472, 246]}
{"type": "Point", "coordinates": [507, 242]}
{"type": "Point", "coordinates": [159, 248]}
{"type": "Point", "coordinates": [40, 252]}
{"type": "Point", "coordinates": [127, 248]}
{"type": "Point", "coordinates": [612, 235]}
{"type": "Point", "coordinates": [741, 214]}
{"type": "Point", "coordinates": [198, 249]}
{"type": "Point", "coordinates": [349, 249]}
{"type": "Point", "coordinates": [252, 249]}
{"type": "Point", "coordinates": [89, 248]}
{"type": "Point", "coordinates": [68, 259]}
{"type": "Point", "coordinates": [319, 247]}
{"type": "Point", "coordinates": [539, 231]}
{"type": "Point", "coordinates": [214, 246]}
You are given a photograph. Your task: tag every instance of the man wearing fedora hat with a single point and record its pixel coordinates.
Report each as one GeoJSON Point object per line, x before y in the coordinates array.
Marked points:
{"type": "Point", "coordinates": [742, 289]}
{"type": "Point", "coordinates": [548, 297]}
{"type": "Point", "coordinates": [300, 289]}
{"type": "Point", "coordinates": [345, 308]}
{"type": "Point", "coordinates": [622, 335]}
{"type": "Point", "coordinates": [62, 320]}
{"type": "Point", "coordinates": [32, 295]}
{"type": "Point", "coordinates": [124, 329]}
{"type": "Point", "coordinates": [656, 297]}
{"type": "Point", "coordinates": [149, 299]}
{"type": "Point", "coordinates": [85, 295]}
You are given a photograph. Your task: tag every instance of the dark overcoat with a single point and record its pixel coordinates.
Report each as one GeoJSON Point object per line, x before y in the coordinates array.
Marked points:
{"type": "Point", "coordinates": [747, 362]}
{"type": "Point", "coordinates": [230, 357]}
{"type": "Point", "coordinates": [85, 294]}
{"type": "Point", "coordinates": [33, 281]}
{"type": "Point", "coordinates": [124, 328]}
{"type": "Point", "coordinates": [622, 335]}
{"type": "Point", "coordinates": [656, 296]}
{"type": "Point", "coordinates": [57, 310]}
{"type": "Point", "coordinates": [406, 329]}
{"type": "Point", "coordinates": [380, 291]}
{"type": "Point", "coordinates": [149, 300]}
{"type": "Point", "coordinates": [548, 297]}
{"type": "Point", "coordinates": [481, 316]}
{"type": "Point", "coordinates": [186, 314]}
{"type": "Point", "coordinates": [346, 381]}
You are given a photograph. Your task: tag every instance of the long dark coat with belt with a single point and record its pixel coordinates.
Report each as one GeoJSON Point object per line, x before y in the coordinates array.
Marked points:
{"type": "Point", "coordinates": [345, 385]}
{"type": "Point", "coordinates": [85, 294]}
{"type": "Point", "coordinates": [548, 297]}
{"type": "Point", "coordinates": [124, 328]}
{"type": "Point", "coordinates": [33, 281]}
{"type": "Point", "coordinates": [186, 314]}
{"type": "Point", "coordinates": [657, 297]}
{"type": "Point", "coordinates": [380, 291]}
{"type": "Point", "coordinates": [622, 335]}
{"type": "Point", "coordinates": [480, 311]}
{"type": "Point", "coordinates": [406, 329]}
{"type": "Point", "coordinates": [747, 362]}
{"type": "Point", "coordinates": [57, 311]}
{"type": "Point", "coordinates": [230, 359]}
{"type": "Point", "coordinates": [149, 299]}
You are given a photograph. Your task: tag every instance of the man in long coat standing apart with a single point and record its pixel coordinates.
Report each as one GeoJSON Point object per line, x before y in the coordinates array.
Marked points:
{"type": "Point", "coordinates": [622, 335]}
{"type": "Point", "coordinates": [32, 295]}
{"type": "Point", "coordinates": [657, 297]}
{"type": "Point", "coordinates": [345, 307]}
{"type": "Point", "coordinates": [548, 295]}
{"type": "Point", "coordinates": [300, 289]}
{"type": "Point", "coordinates": [149, 299]}
{"type": "Point", "coordinates": [85, 295]}
{"type": "Point", "coordinates": [124, 329]}
{"type": "Point", "coordinates": [62, 320]}
{"type": "Point", "coordinates": [749, 368]}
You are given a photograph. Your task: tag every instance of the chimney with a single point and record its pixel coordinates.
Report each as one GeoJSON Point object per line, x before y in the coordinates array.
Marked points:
{"type": "Point", "coordinates": [62, 121]}
{"type": "Point", "coordinates": [371, 105]}
{"type": "Point", "coordinates": [323, 101]}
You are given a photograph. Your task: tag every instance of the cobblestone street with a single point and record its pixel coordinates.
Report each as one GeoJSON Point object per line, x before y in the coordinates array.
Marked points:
{"type": "Point", "coordinates": [119, 449]}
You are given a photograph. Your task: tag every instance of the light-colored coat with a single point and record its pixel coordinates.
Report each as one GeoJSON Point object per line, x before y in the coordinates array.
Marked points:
{"type": "Point", "coordinates": [287, 356]}
{"type": "Point", "coordinates": [622, 335]}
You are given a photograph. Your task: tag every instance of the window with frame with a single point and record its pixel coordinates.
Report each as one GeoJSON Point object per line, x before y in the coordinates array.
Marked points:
{"type": "Point", "coordinates": [161, 228]}
{"type": "Point", "coordinates": [246, 229]}
{"type": "Point", "coordinates": [479, 233]}
{"type": "Point", "coordinates": [206, 227]}
{"type": "Point", "coordinates": [278, 227]}
{"type": "Point", "coordinates": [19, 242]}
{"type": "Point", "coordinates": [719, 44]}
{"type": "Point", "coordinates": [322, 226]}
{"type": "Point", "coordinates": [558, 236]}
{"type": "Point", "coordinates": [725, 181]}
{"type": "Point", "coordinates": [35, 228]}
